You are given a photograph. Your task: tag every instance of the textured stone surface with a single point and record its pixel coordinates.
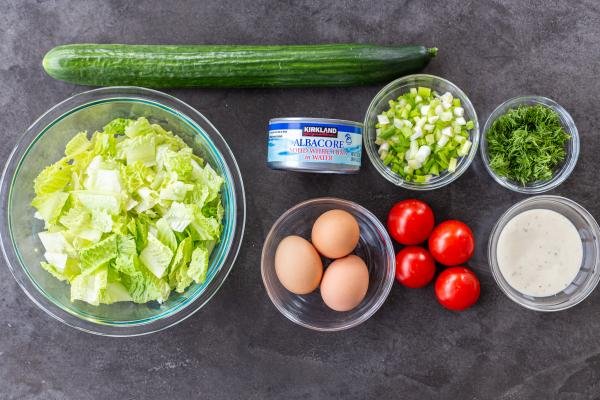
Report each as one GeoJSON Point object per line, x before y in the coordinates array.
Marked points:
{"type": "Point", "coordinates": [239, 346]}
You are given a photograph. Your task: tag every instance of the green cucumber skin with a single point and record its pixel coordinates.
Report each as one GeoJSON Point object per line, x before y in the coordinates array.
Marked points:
{"type": "Point", "coordinates": [177, 66]}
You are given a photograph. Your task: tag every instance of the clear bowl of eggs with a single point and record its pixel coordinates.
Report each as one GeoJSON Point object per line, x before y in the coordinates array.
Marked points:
{"type": "Point", "coordinates": [328, 264]}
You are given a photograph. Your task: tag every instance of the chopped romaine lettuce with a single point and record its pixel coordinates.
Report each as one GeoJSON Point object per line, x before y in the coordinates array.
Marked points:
{"type": "Point", "coordinates": [130, 214]}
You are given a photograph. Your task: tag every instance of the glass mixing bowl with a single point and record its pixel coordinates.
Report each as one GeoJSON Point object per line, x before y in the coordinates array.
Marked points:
{"type": "Point", "coordinates": [374, 247]}
{"type": "Point", "coordinates": [589, 274]}
{"type": "Point", "coordinates": [44, 142]}
{"type": "Point", "coordinates": [391, 92]}
{"type": "Point", "coordinates": [572, 147]}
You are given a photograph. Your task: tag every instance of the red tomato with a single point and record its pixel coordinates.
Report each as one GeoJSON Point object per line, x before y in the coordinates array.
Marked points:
{"type": "Point", "coordinates": [451, 243]}
{"type": "Point", "coordinates": [414, 267]}
{"type": "Point", "coordinates": [410, 221]}
{"type": "Point", "coordinates": [457, 288]}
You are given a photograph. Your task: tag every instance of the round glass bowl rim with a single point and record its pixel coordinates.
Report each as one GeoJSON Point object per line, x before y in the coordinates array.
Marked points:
{"type": "Point", "coordinates": [232, 228]}
{"type": "Point", "coordinates": [384, 171]}
{"type": "Point", "coordinates": [382, 296]}
{"type": "Point", "coordinates": [571, 128]}
{"type": "Point", "coordinates": [504, 219]}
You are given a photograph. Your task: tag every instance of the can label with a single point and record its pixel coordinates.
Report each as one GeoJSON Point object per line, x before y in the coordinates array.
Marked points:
{"type": "Point", "coordinates": [302, 143]}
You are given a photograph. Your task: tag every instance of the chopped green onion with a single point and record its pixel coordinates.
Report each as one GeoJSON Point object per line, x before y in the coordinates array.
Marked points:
{"type": "Point", "coordinates": [423, 134]}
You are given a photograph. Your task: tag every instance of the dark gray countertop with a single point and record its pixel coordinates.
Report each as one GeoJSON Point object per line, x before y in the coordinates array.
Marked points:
{"type": "Point", "coordinates": [239, 346]}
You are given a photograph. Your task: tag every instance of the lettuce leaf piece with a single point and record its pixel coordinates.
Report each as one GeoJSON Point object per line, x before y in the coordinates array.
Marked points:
{"type": "Point", "coordinates": [117, 126]}
{"type": "Point", "coordinates": [104, 144]}
{"type": "Point", "coordinates": [138, 227]}
{"type": "Point", "coordinates": [80, 162]}
{"type": "Point", "coordinates": [140, 148]}
{"type": "Point", "coordinates": [179, 216]}
{"type": "Point", "coordinates": [209, 178]}
{"type": "Point", "coordinates": [156, 256]}
{"type": "Point", "coordinates": [179, 162]}
{"type": "Point", "coordinates": [139, 127]}
{"type": "Point", "coordinates": [114, 292]}
{"type": "Point", "coordinates": [50, 206]}
{"type": "Point", "coordinates": [126, 260]}
{"type": "Point", "coordinates": [78, 222]}
{"type": "Point", "coordinates": [165, 234]}
{"type": "Point", "coordinates": [175, 191]}
{"type": "Point", "coordinates": [198, 196]}
{"type": "Point", "coordinates": [214, 209]}
{"type": "Point", "coordinates": [59, 260]}
{"type": "Point", "coordinates": [70, 270]}
{"type": "Point", "coordinates": [174, 142]}
{"type": "Point", "coordinates": [54, 271]}
{"type": "Point", "coordinates": [178, 276]}
{"type": "Point", "coordinates": [53, 178]}
{"type": "Point", "coordinates": [89, 287]}
{"type": "Point", "coordinates": [103, 179]}
{"type": "Point", "coordinates": [148, 198]}
{"type": "Point", "coordinates": [204, 228]}
{"type": "Point", "coordinates": [98, 254]}
{"type": "Point", "coordinates": [102, 221]}
{"type": "Point", "coordinates": [77, 145]}
{"type": "Point", "coordinates": [54, 242]}
{"type": "Point", "coordinates": [220, 211]}
{"type": "Point", "coordinates": [137, 175]}
{"type": "Point", "coordinates": [99, 201]}
{"type": "Point", "coordinates": [198, 265]}
{"type": "Point", "coordinates": [144, 287]}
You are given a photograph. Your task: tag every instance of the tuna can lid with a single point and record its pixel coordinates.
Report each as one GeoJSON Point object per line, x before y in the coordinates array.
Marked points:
{"type": "Point", "coordinates": [317, 121]}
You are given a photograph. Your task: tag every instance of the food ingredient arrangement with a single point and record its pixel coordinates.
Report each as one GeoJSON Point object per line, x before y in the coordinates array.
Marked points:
{"type": "Point", "coordinates": [450, 243]}
{"type": "Point", "coordinates": [539, 240]}
{"type": "Point", "coordinates": [159, 66]}
{"type": "Point", "coordinates": [527, 144]}
{"type": "Point", "coordinates": [299, 267]}
{"type": "Point", "coordinates": [423, 134]}
{"type": "Point", "coordinates": [130, 214]}
{"type": "Point", "coordinates": [317, 145]}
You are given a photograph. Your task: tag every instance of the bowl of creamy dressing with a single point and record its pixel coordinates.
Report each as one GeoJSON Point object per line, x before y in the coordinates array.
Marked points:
{"type": "Point", "coordinates": [544, 253]}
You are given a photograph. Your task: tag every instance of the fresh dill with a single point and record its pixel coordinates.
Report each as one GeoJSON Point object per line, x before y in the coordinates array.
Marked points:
{"type": "Point", "coordinates": [527, 144]}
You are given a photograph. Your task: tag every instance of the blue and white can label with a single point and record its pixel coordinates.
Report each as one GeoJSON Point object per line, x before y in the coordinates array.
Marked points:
{"type": "Point", "coordinates": [315, 145]}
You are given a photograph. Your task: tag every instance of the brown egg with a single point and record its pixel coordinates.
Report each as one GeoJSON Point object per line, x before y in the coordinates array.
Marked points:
{"type": "Point", "coordinates": [345, 283]}
{"type": "Point", "coordinates": [335, 233]}
{"type": "Point", "coordinates": [298, 265]}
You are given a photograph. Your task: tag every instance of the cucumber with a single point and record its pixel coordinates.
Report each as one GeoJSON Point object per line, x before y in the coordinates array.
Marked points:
{"type": "Point", "coordinates": [163, 66]}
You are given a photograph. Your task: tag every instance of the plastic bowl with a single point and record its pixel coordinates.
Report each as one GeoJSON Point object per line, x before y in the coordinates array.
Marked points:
{"type": "Point", "coordinates": [562, 172]}
{"type": "Point", "coordinates": [44, 142]}
{"type": "Point", "coordinates": [392, 91]}
{"type": "Point", "coordinates": [374, 246]}
{"type": "Point", "coordinates": [587, 278]}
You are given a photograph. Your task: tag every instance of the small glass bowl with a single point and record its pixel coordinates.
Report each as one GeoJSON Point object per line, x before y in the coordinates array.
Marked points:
{"type": "Point", "coordinates": [588, 276]}
{"type": "Point", "coordinates": [374, 247]}
{"type": "Point", "coordinates": [44, 142]}
{"type": "Point", "coordinates": [563, 171]}
{"type": "Point", "coordinates": [391, 92]}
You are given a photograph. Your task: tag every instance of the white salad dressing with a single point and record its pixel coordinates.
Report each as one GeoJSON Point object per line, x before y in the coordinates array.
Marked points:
{"type": "Point", "coordinates": [539, 252]}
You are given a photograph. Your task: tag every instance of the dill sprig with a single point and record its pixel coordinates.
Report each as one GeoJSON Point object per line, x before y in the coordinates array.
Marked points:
{"type": "Point", "coordinates": [527, 144]}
